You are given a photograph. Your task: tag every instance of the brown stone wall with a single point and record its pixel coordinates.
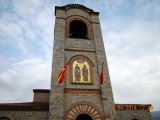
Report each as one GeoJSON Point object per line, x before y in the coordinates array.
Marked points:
{"type": "Point", "coordinates": [81, 44]}
{"type": "Point", "coordinates": [59, 101]}
{"type": "Point", "coordinates": [106, 89]}
{"type": "Point", "coordinates": [80, 12]}
{"type": "Point", "coordinates": [25, 115]}
{"type": "Point", "coordinates": [130, 114]}
{"type": "Point", "coordinates": [74, 98]}
{"type": "Point", "coordinates": [41, 97]}
{"type": "Point", "coordinates": [56, 106]}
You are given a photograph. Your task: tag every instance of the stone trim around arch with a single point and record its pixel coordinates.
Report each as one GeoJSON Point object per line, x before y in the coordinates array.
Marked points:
{"type": "Point", "coordinates": [135, 117]}
{"type": "Point", "coordinates": [86, 21]}
{"type": "Point", "coordinates": [82, 56]}
{"type": "Point", "coordinates": [6, 116]}
{"type": "Point", "coordinates": [83, 107]}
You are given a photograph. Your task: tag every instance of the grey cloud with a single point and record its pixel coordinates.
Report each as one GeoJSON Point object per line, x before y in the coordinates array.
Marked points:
{"type": "Point", "coordinates": [24, 76]}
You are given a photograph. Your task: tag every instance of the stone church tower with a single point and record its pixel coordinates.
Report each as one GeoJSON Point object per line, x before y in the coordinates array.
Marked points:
{"type": "Point", "coordinates": [78, 40]}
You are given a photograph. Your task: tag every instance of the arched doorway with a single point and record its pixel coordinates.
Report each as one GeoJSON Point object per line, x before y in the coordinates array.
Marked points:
{"type": "Point", "coordinates": [84, 117]}
{"type": "Point", "coordinates": [4, 118]}
{"type": "Point", "coordinates": [83, 111]}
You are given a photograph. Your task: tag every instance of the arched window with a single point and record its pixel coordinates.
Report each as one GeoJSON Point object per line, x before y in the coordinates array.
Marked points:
{"type": "Point", "coordinates": [4, 118]}
{"type": "Point", "coordinates": [78, 29]}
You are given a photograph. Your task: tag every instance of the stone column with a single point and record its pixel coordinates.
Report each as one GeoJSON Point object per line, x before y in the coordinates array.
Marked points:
{"type": "Point", "coordinates": [106, 90]}
{"type": "Point", "coordinates": [56, 109]}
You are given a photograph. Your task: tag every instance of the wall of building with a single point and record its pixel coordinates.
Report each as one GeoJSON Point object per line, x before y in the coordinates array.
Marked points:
{"type": "Point", "coordinates": [130, 114]}
{"type": "Point", "coordinates": [25, 115]}
{"type": "Point", "coordinates": [41, 97]}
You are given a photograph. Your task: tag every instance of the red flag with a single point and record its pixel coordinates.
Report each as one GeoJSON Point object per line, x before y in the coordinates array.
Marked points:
{"type": "Point", "coordinates": [101, 75]}
{"type": "Point", "coordinates": [62, 74]}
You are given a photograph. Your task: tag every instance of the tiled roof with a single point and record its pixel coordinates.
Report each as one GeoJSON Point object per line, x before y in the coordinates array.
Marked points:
{"type": "Point", "coordinates": [65, 7]}
{"type": "Point", "coordinates": [79, 5]}
{"type": "Point", "coordinates": [25, 106]}
{"type": "Point", "coordinates": [41, 90]}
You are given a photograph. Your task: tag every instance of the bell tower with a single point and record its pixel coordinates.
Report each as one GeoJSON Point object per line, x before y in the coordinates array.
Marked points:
{"type": "Point", "coordinates": [78, 40]}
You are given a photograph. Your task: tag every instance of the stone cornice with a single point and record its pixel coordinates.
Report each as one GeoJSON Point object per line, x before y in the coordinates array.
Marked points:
{"type": "Point", "coordinates": [75, 50]}
{"type": "Point", "coordinates": [82, 91]}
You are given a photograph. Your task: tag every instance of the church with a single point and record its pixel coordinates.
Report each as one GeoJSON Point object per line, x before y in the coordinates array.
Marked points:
{"type": "Point", "coordinates": [80, 83]}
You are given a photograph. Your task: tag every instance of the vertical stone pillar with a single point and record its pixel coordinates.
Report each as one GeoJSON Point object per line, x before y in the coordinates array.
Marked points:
{"type": "Point", "coordinates": [106, 89]}
{"type": "Point", "coordinates": [56, 106]}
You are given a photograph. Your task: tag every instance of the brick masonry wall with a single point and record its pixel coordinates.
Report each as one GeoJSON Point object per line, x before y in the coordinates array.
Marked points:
{"type": "Point", "coordinates": [56, 107]}
{"type": "Point", "coordinates": [93, 98]}
{"type": "Point", "coordinates": [57, 98]}
{"type": "Point", "coordinates": [41, 97]}
{"type": "Point", "coordinates": [107, 95]}
{"type": "Point", "coordinates": [130, 114]}
{"type": "Point", "coordinates": [25, 115]}
{"type": "Point", "coordinates": [81, 44]}
{"type": "Point", "coordinates": [72, 12]}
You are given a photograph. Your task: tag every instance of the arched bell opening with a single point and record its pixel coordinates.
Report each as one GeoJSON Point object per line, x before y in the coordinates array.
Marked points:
{"type": "Point", "coordinates": [78, 29]}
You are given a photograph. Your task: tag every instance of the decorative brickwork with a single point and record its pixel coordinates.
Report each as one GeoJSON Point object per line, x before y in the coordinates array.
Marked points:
{"type": "Point", "coordinates": [82, 91]}
{"type": "Point", "coordinates": [122, 107]}
{"type": "Point", "coordinates": [80, 50]}
{"type": "Point", "coordinates": [83, 108]}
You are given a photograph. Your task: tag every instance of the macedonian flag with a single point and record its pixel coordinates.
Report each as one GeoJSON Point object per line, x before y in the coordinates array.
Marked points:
{"type": "Point", "coordinates": [62, 74]}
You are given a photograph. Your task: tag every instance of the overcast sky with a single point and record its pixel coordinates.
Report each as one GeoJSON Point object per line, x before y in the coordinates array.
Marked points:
{"type": "Point", "coordinates": [131, 33]}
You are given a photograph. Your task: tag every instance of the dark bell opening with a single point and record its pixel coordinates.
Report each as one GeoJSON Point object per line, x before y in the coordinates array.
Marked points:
{"type": "Point", "coordinates": [135, 119]}
{"type": "Point", "coordinates": [84, 117]}
{"type": "Point", "coordinates": [78, 29]}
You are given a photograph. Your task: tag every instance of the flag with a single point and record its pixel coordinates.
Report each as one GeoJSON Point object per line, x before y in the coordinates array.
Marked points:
{"type": "Point", "coordinates": [62, 74]}
{"type": "Point", "coordinates": [101, 75]}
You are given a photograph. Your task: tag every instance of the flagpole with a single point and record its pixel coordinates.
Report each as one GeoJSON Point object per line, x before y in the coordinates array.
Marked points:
{"type": "Point", "coordinates": [101, 89]}
{"type": "Point", "coordinates": [66, 73]}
